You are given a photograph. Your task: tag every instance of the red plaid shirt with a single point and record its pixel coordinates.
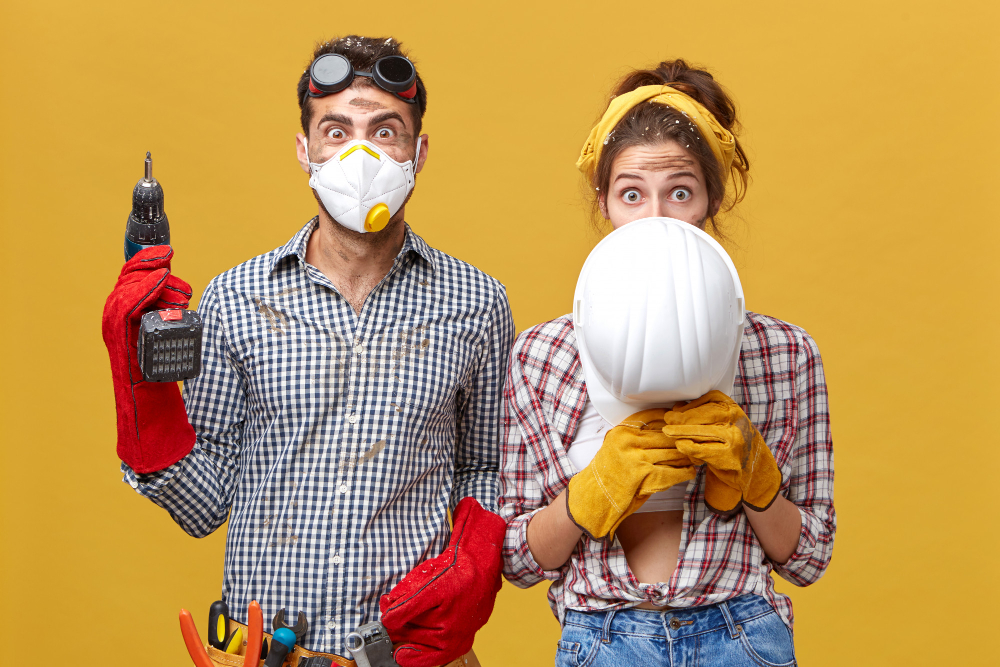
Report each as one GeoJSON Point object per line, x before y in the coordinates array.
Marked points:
{"type": "Point", "coordinates": [780, 386]}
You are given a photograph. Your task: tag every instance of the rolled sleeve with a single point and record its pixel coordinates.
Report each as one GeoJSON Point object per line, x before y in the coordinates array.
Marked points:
{"type": "Point", "coordinates": [519, 565]}
{"type": "Point", "coordinates": [811, 480]}
{"type": "Point", "coordinates": [523, 488]}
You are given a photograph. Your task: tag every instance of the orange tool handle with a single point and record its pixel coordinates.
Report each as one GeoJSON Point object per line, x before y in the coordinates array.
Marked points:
{"type": "Point", "coordinates": [255, 635]}
{"type": "Point", "coordinates": [193, 642]}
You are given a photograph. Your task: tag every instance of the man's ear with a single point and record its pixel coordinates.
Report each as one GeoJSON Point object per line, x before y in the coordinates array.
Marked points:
{"type": "Point", "coordinates": [422, 157]}
{"type": "Point", "coordinates": [302, 151]}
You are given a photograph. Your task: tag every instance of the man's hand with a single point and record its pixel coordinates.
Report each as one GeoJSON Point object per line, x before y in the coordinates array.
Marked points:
{"type": "Point", "coordinates": [153, 429]}
{"type": "Point", "coordinates": [635, 461]}
{"type": "Point", "coordinates": [435, 611]}
{"type": "Point", "coordinates": [715, 431]}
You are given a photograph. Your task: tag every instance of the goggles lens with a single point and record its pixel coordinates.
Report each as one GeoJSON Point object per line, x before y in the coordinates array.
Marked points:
{"type": "Point", "coordinates": [331, 73]}
{"type": "Point", "coordinates": [396, 73]}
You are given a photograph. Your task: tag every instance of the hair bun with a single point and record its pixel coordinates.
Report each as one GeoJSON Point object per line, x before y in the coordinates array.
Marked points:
{"type": "Point", "coordinates": [694, 82]}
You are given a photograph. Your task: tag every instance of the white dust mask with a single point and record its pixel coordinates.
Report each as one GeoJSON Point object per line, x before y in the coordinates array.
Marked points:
{"type": "Point", "coordinates": [361, 187]}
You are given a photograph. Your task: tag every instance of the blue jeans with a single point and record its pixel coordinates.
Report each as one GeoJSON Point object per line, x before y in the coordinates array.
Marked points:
{"type": "Point", "coordinates": [743, 631]}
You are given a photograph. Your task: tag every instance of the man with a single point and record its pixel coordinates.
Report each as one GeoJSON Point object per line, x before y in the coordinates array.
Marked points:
{"type": "Point", "coordinates": [349, 393]}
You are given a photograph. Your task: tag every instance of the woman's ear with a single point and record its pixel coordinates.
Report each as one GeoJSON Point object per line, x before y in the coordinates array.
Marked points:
{"type": "Point", "coordinates": [713, 208]}
{"type": "Point", "coordinates": [602, 203]}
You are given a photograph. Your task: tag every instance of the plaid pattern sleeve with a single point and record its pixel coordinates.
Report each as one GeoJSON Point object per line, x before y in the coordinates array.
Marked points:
{"type": "Point", "coordinates": [810, 485]}
{"type": "Point", "coordinates": [477, 457]}
{"type": "Point", "coordinates": [781, 387]}
{"type": "Point", "coordinates": [335, 441]}
{"type": "Point", "coordinates": [533, 469]}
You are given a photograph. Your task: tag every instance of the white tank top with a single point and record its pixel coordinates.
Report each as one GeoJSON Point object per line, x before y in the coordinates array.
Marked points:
{"type": "Point", "coordinates": [589, 438]}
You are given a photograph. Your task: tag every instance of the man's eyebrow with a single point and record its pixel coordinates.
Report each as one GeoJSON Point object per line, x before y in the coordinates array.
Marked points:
{"type": "Point", "coordinates": [336, 118]}
{"type": "Point", "coordinates": [384, 116]}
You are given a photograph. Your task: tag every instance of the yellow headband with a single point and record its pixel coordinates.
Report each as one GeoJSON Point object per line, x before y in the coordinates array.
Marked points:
{"type": "Point", "coordinates": [719, 139]}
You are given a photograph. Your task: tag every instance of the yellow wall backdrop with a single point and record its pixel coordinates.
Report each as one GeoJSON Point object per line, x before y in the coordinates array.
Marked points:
{"type": "Point", "coordinates": [871, 222]}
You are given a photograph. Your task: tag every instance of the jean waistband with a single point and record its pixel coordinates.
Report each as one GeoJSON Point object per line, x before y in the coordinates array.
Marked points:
{"type": "Point", "coordinates": [675, 621]}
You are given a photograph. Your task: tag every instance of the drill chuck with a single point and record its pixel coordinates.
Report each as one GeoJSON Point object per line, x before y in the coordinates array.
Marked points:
{"type": "Point", "coordinates": [169, 343]}
{"type": "Point", "coordinates": [147, 223]}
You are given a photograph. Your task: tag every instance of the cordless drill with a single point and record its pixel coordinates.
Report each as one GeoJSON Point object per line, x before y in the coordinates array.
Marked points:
{"type": "Point", "coordinates": [169, 342]}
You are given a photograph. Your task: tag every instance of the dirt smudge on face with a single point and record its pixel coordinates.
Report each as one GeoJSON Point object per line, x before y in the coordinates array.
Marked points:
{"type": "Point", "coordinates": [367, 105]}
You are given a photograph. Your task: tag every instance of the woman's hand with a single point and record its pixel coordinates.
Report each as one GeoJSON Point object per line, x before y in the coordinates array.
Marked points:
{"type": "Point", "coordinates": [715, 431]}
{"type": "Point", "coordinates": [636, 460]}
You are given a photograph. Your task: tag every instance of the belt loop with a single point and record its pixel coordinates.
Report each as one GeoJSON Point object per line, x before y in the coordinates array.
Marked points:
{"type": "Point", "coordinates": [730, 623]}
{"type": "Point", "coordinates": [606, 630]}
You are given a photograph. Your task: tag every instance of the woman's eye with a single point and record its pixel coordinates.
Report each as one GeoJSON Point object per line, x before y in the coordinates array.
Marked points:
{"type": "Point", "coordinates": [681, 194]}
{"type": "Point", "coordinates": [384, 133]}
{"type": "Point", "coordinates": [631, 196]}
{"type": "Point", "coordinates": [336, 133]}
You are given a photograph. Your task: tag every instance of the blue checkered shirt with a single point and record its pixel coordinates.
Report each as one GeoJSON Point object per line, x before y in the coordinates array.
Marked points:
{"type": "Point", "coordinates": [335, 442]}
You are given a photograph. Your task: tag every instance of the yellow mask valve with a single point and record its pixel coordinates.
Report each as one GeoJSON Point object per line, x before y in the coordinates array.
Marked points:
{"type": "Point", "coordinates": [377, 218]}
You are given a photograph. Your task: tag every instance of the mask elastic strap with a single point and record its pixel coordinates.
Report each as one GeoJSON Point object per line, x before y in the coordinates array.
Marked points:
{"type": "Point", "coordinates": [416, 157]}
{"type": "Point", "coordinates": [305, 144]}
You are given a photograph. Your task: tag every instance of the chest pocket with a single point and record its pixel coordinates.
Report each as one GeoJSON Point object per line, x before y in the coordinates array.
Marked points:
{"type": "Point", "coordinates": [308, 361]}
{"type": "Point", "coordinates": [416, 369]}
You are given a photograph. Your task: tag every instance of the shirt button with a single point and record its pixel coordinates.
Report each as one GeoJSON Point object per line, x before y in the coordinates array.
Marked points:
{"type": "Point", "coordinates": [331, 625]}
{"type": "Point", "coordinates": [353, 419]}
{"type": "Point", "coordinates": [359, 348]}
{"type": "Point", "coordinates": [336, 560]}
{"type": "Point", "coordinates": [343, 488]}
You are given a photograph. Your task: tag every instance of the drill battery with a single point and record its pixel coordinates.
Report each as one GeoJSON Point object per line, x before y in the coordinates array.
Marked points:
{"type": "Point", "coordinates": [170, 345]}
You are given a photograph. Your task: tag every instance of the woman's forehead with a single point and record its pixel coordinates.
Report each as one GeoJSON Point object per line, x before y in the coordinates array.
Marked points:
{"type": "Point", "coordinates": [662, 156]}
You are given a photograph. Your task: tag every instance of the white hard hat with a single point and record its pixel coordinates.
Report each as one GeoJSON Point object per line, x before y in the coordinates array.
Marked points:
{"type": "Point", "coordinates": [659, 316]}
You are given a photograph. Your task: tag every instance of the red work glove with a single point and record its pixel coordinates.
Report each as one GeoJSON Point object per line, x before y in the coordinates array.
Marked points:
{"type": "Point", "coordinates": [153, 428]}
{"type": "Point", "coordinates": [435, 611]}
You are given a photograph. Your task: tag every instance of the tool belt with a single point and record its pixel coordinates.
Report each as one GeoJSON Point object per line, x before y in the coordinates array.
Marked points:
{"type": "Point", "coordinates": [222, 659]}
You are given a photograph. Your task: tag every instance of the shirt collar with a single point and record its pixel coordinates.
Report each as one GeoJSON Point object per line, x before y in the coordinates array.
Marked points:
{"type": "Point", "coordinates": [297, 246]}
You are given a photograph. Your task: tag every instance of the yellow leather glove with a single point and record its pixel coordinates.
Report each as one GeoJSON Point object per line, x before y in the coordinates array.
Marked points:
{"type": "Point", "coordinates": [635, 461]}
{"type": "Point", "coordinates": [715, 431]}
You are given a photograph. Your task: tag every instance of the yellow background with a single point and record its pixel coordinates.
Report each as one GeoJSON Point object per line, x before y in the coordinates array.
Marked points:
{"type": "Point", "coordinates": [871, 222]}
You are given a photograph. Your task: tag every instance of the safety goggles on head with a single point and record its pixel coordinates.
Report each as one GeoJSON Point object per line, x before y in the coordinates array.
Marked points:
{"type": "Point", "coordinates": [332, 73]}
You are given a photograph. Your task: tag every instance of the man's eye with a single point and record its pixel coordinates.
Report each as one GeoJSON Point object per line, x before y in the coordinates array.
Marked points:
{"type": "Point", "coordinates": [681, 194]}
{"type": "Point", "coordinates": [631, 196]}
{"type": "Point", "coordinates": [336, 133]}
{"type": "Point", "coordinates": [384, 133]}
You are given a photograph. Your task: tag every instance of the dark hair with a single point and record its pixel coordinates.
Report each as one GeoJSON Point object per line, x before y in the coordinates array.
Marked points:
{"type": "Point", "coordinates": [362, 52]}
{"type": "Point", "coordinates": [651, 122]}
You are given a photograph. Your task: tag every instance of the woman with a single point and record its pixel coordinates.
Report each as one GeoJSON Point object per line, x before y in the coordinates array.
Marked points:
{"type": "Point", "coordinates": [687, 583]}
